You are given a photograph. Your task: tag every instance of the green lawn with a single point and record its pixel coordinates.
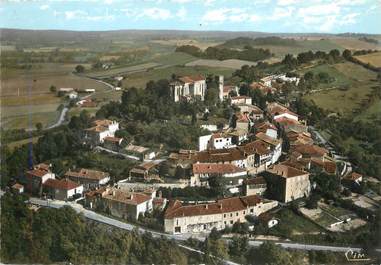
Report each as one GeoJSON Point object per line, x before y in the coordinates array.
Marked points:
{"type": "Point", "coordinates": [291, 223]}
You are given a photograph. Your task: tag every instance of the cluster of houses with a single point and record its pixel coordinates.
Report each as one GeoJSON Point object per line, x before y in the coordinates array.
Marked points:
{"type": "Point", "coordinates": [263, 157]}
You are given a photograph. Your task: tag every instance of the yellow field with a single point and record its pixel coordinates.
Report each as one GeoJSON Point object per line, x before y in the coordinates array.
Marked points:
{"type": "Point", "coordinates": [355, 44]}
{"type": "Point", "coordinates": [178, 42]}
{"type": "Point", "coordinates": [372, 58]}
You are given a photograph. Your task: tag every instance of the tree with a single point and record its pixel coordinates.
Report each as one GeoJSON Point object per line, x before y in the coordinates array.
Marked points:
{"type": "Point", "coordinates": [79, 68]}
{"type": "Point", "coordinates": [180, 172]}
{"type": "Point", "coordinates": [309, 76]}
{"type": "Point", "coordinates": [312, 202]}
{"type": "Point", "coordinates": [238, 246]}
{"type": "Point", "coordinates": [217, 185]}
{"type": "Point", "coordinates": [347, 54]}
{"type": "Point", "coordinates": [39, 126]}
{"type": "Point", "coordinates": [269, 253]}
{"type": "Point", "coordinates": [53, 89]}
{"type": "Point", "coordinates": [164, 169]}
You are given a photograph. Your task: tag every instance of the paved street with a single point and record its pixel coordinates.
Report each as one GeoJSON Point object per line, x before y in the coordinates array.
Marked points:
{"type": "Point", "coordinates": [110, 221]}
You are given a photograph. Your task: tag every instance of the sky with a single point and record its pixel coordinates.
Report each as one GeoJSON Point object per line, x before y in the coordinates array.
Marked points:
{"type": "Point", "coordinates": [295, 16]}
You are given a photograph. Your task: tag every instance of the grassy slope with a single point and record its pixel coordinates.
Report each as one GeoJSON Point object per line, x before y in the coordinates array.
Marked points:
{"type": "Point", "coordinates": [372, 58]}
{"type": "Point", "coordinates": [356, 83]}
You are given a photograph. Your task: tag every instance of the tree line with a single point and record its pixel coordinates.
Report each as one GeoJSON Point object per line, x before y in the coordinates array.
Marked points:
{"type": "Point", "coordinates": [247, 53]}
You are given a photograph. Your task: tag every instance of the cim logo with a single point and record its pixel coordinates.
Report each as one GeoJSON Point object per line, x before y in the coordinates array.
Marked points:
{"type": "Point", "coordinates": [355, 256]}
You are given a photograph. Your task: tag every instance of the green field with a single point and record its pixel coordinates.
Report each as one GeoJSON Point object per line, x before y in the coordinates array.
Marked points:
{"type": "Point", "coordinates": [140, 79]}
{"type": "Point", "coordinates": [26, 98]}
{"type": "Point", "coordinates": [291, 223]}
{"type": "Point", "coordinates": [353, 85]}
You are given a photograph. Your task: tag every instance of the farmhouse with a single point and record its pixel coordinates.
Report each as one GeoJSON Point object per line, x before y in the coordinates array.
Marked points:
{"type": "Point", "coordinates": [267, 128]}
{"type": "Point", "coordinates": [88, 178]}
{"type": "Point", "coordinates": [179, 219]}
{"type": "Point", "coordinates": [276, 145]}
{"type": "Point", "coordinates": [215, 141]}
{"type": "Point", "coordinates": [232, 174]}
{"type": "Point", "coordinates": [62, 189]}
{"type": "Point", "coordinates": [120, 203]}
{"type": "Point", "coordinates": [286, 183]}
{"type": "Point", "coordinates": [254, 186]}
{"type": "Point", "coordinates": [36, 177]}
{"type": "Point", "coordinates": [233, 156]}
{"type": "Point", "coordinates": [278, 111]}
{"type": "Point", "coordinates": [146, 171]}
{"type": "Point", "coordinates": [188, 87]}
{"type": "Point", "coordinates": [142, 152]}
{"type": "Point", "coordinates": [112, 143]}
{"type": "Point", "coordinates": [101, 129]}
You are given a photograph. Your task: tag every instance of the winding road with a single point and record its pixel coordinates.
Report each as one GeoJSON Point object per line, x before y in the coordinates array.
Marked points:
{"type": "Point", "coordinates": [182, 237]}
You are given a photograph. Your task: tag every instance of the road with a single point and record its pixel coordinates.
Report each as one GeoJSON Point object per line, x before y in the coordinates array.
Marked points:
{"type": "Point", "coordinates": [60, 120]}
{"type": "Point", "coordinates": [116, 153]}
{"type": "Point", "coordinates": [110, 221]}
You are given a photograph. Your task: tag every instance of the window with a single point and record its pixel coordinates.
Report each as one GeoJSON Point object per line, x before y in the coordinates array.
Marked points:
{"type": "Point", "coordinates": [236, 214]}
{"type": "Point", "coordinates": [224, 215]}
{"type": "Point", "coordinates": [244, 212]}
{"type": "Point", "coordinates": [231, 222]}
{"type": "Point", "coordinates": [251, 210]}
{"type": "Point", "coordinates": [177, 229]}
{"type": "Point", "coordinates": [231, 215]}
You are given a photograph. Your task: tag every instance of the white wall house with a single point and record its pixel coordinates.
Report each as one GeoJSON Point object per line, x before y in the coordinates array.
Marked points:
{"type": "Point", "coordinates": [101, 130]}
{"type": "Point", "coordinates": [188, 88]}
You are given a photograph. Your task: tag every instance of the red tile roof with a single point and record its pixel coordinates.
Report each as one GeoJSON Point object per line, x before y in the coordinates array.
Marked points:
{"type": "Point", "coordinates": [113, 139]}
{"type": "Point", "coordinates": [257, 147]}
{"type": "Point", "coordinates": [63, 184]}
{"type": "Point", "coordinates": [276, 109]}
{"type": "Point", "coordinates": [227, 205]}
{"type": "Point", "coordinates": [191, 79]}
{"type": "Point", "coordinates": [354, 176]}
{"type": "Point", "coordinates": [88, 174]}
{"type": "Point", "coordinates": [36, 173]}
{"type": "Point", "coordinates": [219, 155]}
{"type": "Point", "coordinates": [286, 171]}
{"type": "Point", "coordinates": [259, 180]}
{"type": "Point", "coordinates": [126, 197]}
{"type": "Point", "coordinates": [310, 150]}
{"type": "Point", "coordinates": [264, 137]}
{"type": "Point", "coordinates": [210, 168]}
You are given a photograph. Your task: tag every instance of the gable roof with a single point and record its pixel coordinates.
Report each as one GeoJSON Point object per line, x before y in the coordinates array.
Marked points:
{"type": "Point", "coordinates": [87, 174]}
{"type": "Point", "coordinates": [257, 147]}
{"type": "Point", "coordinates": [270, 140]}
{"type": "Point", "coordinates": [37, 173]}
{"type": "Point", "coordinates": [311, 150]}
{"type": "Point", "coordinates": [191, 79]}
{"type": "Point", "coordinates": [219, 155]}
{"type": "Point", "coordinates": [63, 184]}
{"type": "Point", "coordinates": [211, 168]}
{"type": "Point", "coordinates": [233, 204]}
{"type": "Point", "coordinates": [133, 198]}
{"type": "Point", "coordinates": [286, 171]}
